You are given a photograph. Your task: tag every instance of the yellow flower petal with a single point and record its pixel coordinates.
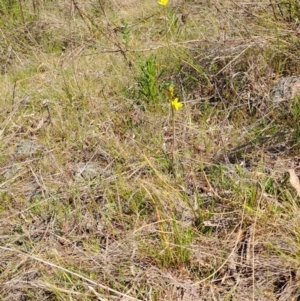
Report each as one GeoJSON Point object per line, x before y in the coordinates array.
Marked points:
{"type": "Point", "coordinates": [176, 104]}
{"type": "Point", "coordinates": [163, 2]}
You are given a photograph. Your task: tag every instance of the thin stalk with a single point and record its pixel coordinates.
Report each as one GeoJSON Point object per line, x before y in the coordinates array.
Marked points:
{"type": "Point", "coordinates": [173, 143]}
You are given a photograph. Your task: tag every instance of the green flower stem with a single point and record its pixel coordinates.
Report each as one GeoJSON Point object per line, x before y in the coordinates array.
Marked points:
{"type": "Point", "coordinates": [173, 144]}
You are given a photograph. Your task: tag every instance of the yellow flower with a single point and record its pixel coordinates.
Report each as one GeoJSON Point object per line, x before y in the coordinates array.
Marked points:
{"type": "Point", "coordinates": [163, 2]}
{"type": "Point", "coordinates": [176, 104]}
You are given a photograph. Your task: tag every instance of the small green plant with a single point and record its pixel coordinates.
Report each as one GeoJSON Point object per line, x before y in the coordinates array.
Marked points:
{"type": "Point", "coordinates": [8, 7]}
{"type": "Point", "coordinates": [125, 33]}
{"type": "Point", "coordinates": [12, 11]}
{"type": "Point", "coordinates": [149, 88]}
{"type": "Point", "coordinates": [174, 248]}
{"type": "Point", "coordinates": [296, 109]}
{"type": "Point", "coordinates": [297, 134]}
{"type": "Point", "coordinates": [179, 253]}
{"type": "Point", "coordinates": [286, 10]}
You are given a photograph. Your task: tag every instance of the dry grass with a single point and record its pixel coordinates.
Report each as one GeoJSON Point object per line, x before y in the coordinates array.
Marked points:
{"type": "Point", "coordinates": [96, 203]}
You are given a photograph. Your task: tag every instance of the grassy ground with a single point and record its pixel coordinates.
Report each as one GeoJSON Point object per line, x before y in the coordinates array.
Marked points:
{"type": "Point", "coordinates": [106, 192]}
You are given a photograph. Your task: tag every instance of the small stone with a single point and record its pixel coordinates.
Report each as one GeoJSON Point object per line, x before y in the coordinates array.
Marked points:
{"type": "Point", "coordinates": [12, 170]}
{"type": "Point", "coordinates": [27, 148]}
{"type": "Point", "coordinates": [89, 170]}
{"type": "Point", "coordinates": [285, 89]}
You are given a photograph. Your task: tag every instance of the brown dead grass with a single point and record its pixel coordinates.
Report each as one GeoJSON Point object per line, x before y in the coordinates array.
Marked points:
{"type": "Point", "coordinates": [90, 206]}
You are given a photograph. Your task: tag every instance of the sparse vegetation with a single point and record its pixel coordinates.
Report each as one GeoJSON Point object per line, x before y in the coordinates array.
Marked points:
{"type": "Point", "coordinates": [105, 195]}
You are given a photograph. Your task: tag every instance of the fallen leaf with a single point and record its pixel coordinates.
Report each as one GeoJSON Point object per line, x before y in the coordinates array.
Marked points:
{"type": "Point", "coordinates": [294, 180]}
